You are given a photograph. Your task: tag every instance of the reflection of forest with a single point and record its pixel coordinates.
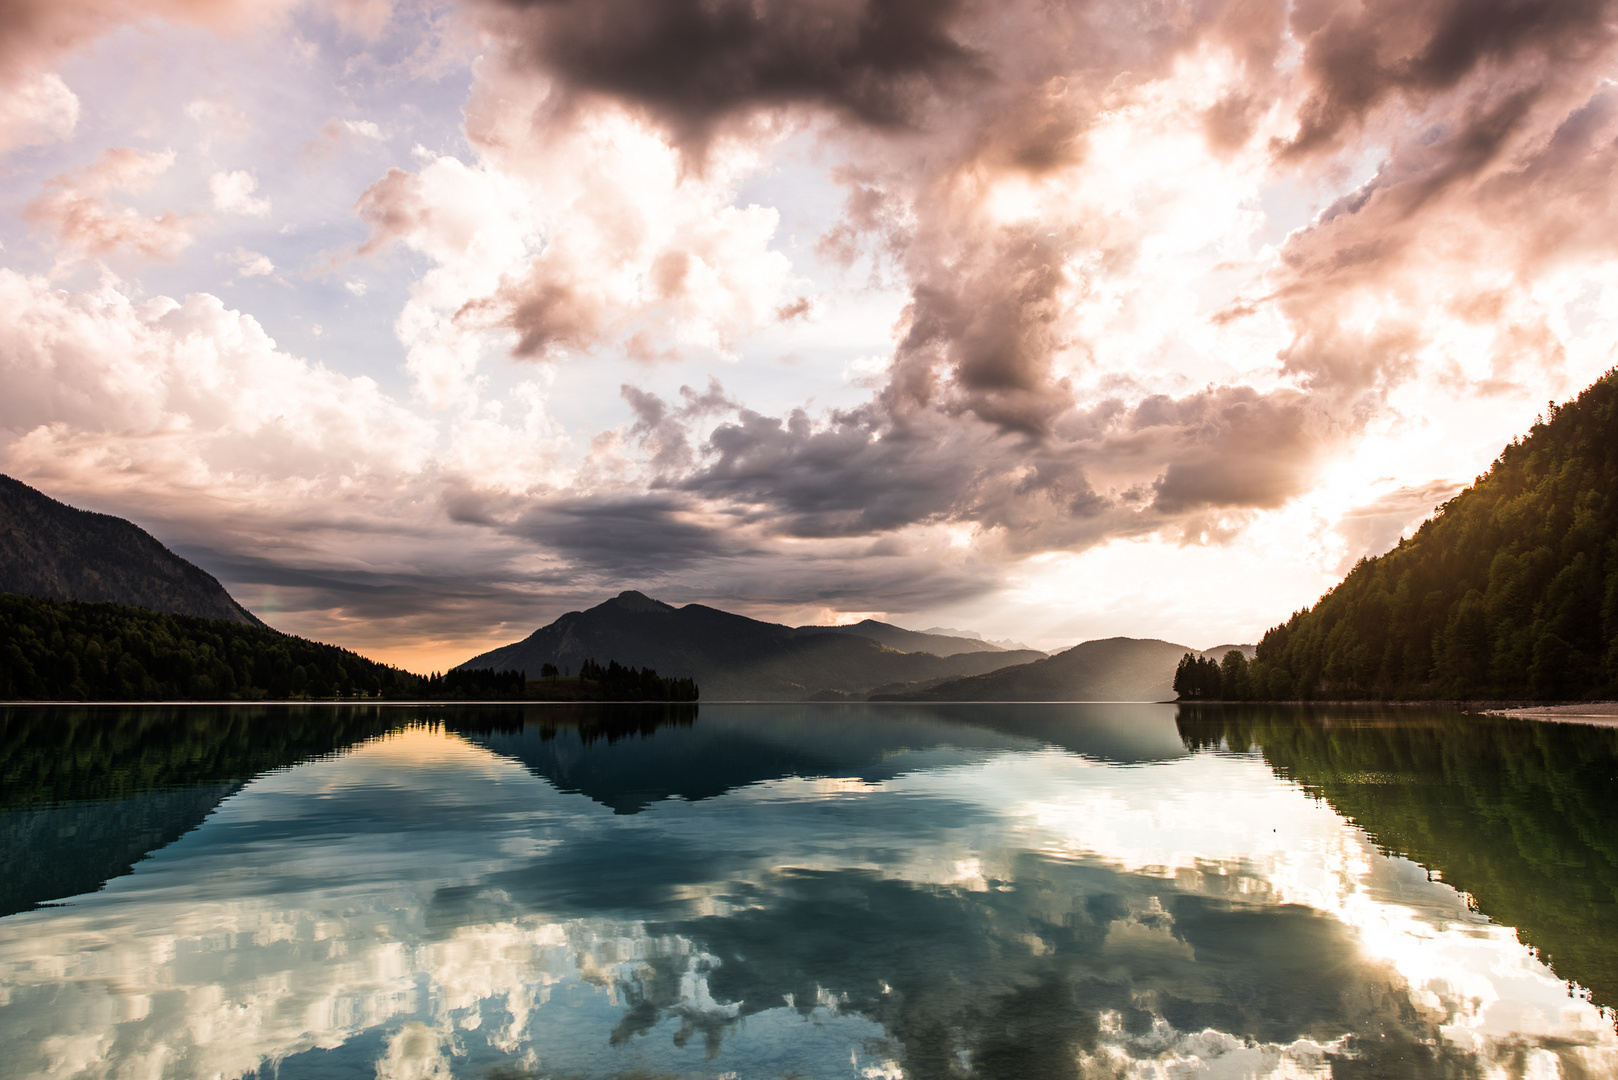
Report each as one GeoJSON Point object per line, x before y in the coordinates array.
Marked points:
{"type": "Point", "coordinates": [1522, 816]}
{"type": "Point", "coordinates": [88, 791]}
{"type": "Point", "coordinates": [64, 752]}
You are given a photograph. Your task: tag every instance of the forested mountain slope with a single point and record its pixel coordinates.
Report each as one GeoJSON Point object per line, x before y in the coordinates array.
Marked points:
{"type": "Point", "coordinates": [67, 650]}
{"type": "Point", "coordinates": [53, 551]}
{"type": "Point", "coordinates": [1509, 591]}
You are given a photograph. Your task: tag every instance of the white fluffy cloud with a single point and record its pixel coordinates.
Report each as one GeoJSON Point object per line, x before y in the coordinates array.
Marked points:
{"type": "Point", "coordinates": [233, 194]}
{"type": "Point", "coordinates": [39, 110]}
{"type": "Point", "coordinates": [167, 397]}
{"type": "Point", "coordinates": [598, 239]}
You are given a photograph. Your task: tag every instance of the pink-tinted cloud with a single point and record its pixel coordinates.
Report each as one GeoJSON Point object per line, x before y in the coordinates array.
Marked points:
{"type": "Point", "coordinates": [37, 109]}
{"type": "Point", "coordinates": [80, 218]}
{"type": "Point", "coordinates": [1109, 308]}
{"type": "Point", "coordinates": [986, 416]}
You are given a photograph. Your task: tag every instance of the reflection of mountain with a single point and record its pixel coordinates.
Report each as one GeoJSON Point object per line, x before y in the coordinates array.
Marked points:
{"type": "Point", "coordinates": [59, 850]}
{"type": "Point", "coordinates": [1521, 815]}
{"type": "Point", "coordinates": [730, 656]}
{"type": "Point", "coordinates": [628, 757]}
{"type": "Point", "coordinates": [1109, 669]}
{"type": "Point", "coordinates": [61, 753]}
{"type": "Point", "coordinates": [87, 791]}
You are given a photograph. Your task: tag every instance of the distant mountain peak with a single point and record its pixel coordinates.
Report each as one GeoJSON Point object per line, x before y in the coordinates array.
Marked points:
{"type": "Point", "coordinates": [630, 600]}
{"type": "Point", "coordinates": [1009, 644]}
{"type": "Point", "coordinates": [734, 657]}
{"type": "Point", "coordinates": [950, 631]}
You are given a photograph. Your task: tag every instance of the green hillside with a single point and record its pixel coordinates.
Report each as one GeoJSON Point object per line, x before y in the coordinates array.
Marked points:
{"type": "Point", "coordinates": [1509, 591]}
{"type": "Point", "coordinates": [77, 651]}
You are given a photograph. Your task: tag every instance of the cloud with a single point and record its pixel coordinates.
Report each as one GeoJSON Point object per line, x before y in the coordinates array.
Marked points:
{"type": "Point", "coordinates": [1358, 57]}
{"type": "Point", "coordinates": [233, 194]}
{"type": "Point", "coordinates": [38, 32]}
{"type": "Point", "coordinates": [692, 66]}
{"type": "Point", "coordinates": [218, 117]}
{"type": "Point", "coordinates": [84, 223]}
{"type": "Point", "coordinates": [334, 131]}
{"type": "Point", "coordinates": [1111, 271]}
{"type": "Point", "coordinates": [253, 264]}
{"type": "Point", "coordinates": [39, 109]}
{"type": "Point", "coordinates": [594, 239]}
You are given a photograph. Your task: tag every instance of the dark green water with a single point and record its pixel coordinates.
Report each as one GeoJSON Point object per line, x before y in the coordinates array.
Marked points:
{"type": "Point", "coordinates": [1017, 891]}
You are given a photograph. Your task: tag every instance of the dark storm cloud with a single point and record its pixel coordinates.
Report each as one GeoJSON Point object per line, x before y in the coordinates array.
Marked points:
{"type": "Point", "coordinates": [1107, 470]}
{"type": "Point", "coordinates": [1359, 56]}
{"type": "Point", "coordinates": [1232, 447]}
{"type": "Point", "coordinates": [464, 601]}
{"type": "Point", "coordinates": [991, 326]}
{"type": "Point", "coordinates": [977, 420]}
{"type": "Point", "coordinates": [627, 535]}
{"type": "Point", "coordinates": [695, 63]}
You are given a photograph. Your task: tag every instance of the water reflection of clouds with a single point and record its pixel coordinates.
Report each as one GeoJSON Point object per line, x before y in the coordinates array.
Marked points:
{"type": "Point", "coordinates": [422, 907]}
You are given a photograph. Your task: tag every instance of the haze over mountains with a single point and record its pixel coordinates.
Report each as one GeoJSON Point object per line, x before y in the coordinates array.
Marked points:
{"type": "Point", "coordinates": [1109, 669]}
{"type": "Point", "coordinates": [937, 642]}
{"type": "Point", "coordinates": [52, 551]}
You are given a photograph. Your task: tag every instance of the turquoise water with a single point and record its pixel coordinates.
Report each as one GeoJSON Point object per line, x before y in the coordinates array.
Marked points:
{"type": "Point", "coordinates": [804, 891]}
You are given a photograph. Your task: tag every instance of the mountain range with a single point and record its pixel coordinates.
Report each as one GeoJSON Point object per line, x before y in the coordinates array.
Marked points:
{"type": "Point", "coordinates": [736, 658]}
{"type": "Point", "coordinates": [52, 551]}
{"type": "Point", "coordinates": [937, 642]}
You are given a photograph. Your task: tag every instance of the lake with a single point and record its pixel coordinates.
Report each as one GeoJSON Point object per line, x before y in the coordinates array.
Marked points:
{"type": "Point", "coordinates": [853, 891]}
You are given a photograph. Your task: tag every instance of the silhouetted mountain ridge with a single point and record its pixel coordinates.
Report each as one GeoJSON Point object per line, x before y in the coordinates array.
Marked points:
{"type": "Point", "coordinates": [897, 637]}
{"type": "Point", "coordinates": [732, 657]}
{"type": "Point", "coordinates": [52, 551]}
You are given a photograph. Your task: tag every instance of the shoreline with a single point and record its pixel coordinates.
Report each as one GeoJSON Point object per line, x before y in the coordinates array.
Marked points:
{"type": "Point", "coordinates": [1594, 713]}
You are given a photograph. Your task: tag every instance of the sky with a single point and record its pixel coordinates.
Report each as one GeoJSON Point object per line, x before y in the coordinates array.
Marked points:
{"type": "Point", "coordinates": [420, 323]}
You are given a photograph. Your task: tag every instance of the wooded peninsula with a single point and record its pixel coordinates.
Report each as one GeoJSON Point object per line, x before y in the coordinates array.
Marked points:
{"type": "Point", "coordinates": [1509, 591]}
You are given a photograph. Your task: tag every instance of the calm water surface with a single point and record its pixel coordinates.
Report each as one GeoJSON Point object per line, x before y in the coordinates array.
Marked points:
{"type": "Point", "coordinates": [804, 891]}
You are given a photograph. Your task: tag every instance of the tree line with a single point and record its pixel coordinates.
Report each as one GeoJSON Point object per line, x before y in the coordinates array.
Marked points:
{"type": "Point", "coordinates": [1509, 591]}
{"type": "Point", "coordinates": [1202, 678]}
{"type": "Point", "coordinates": [618, 683]}
{"type": "Point", "coordinates": [77, 651]}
